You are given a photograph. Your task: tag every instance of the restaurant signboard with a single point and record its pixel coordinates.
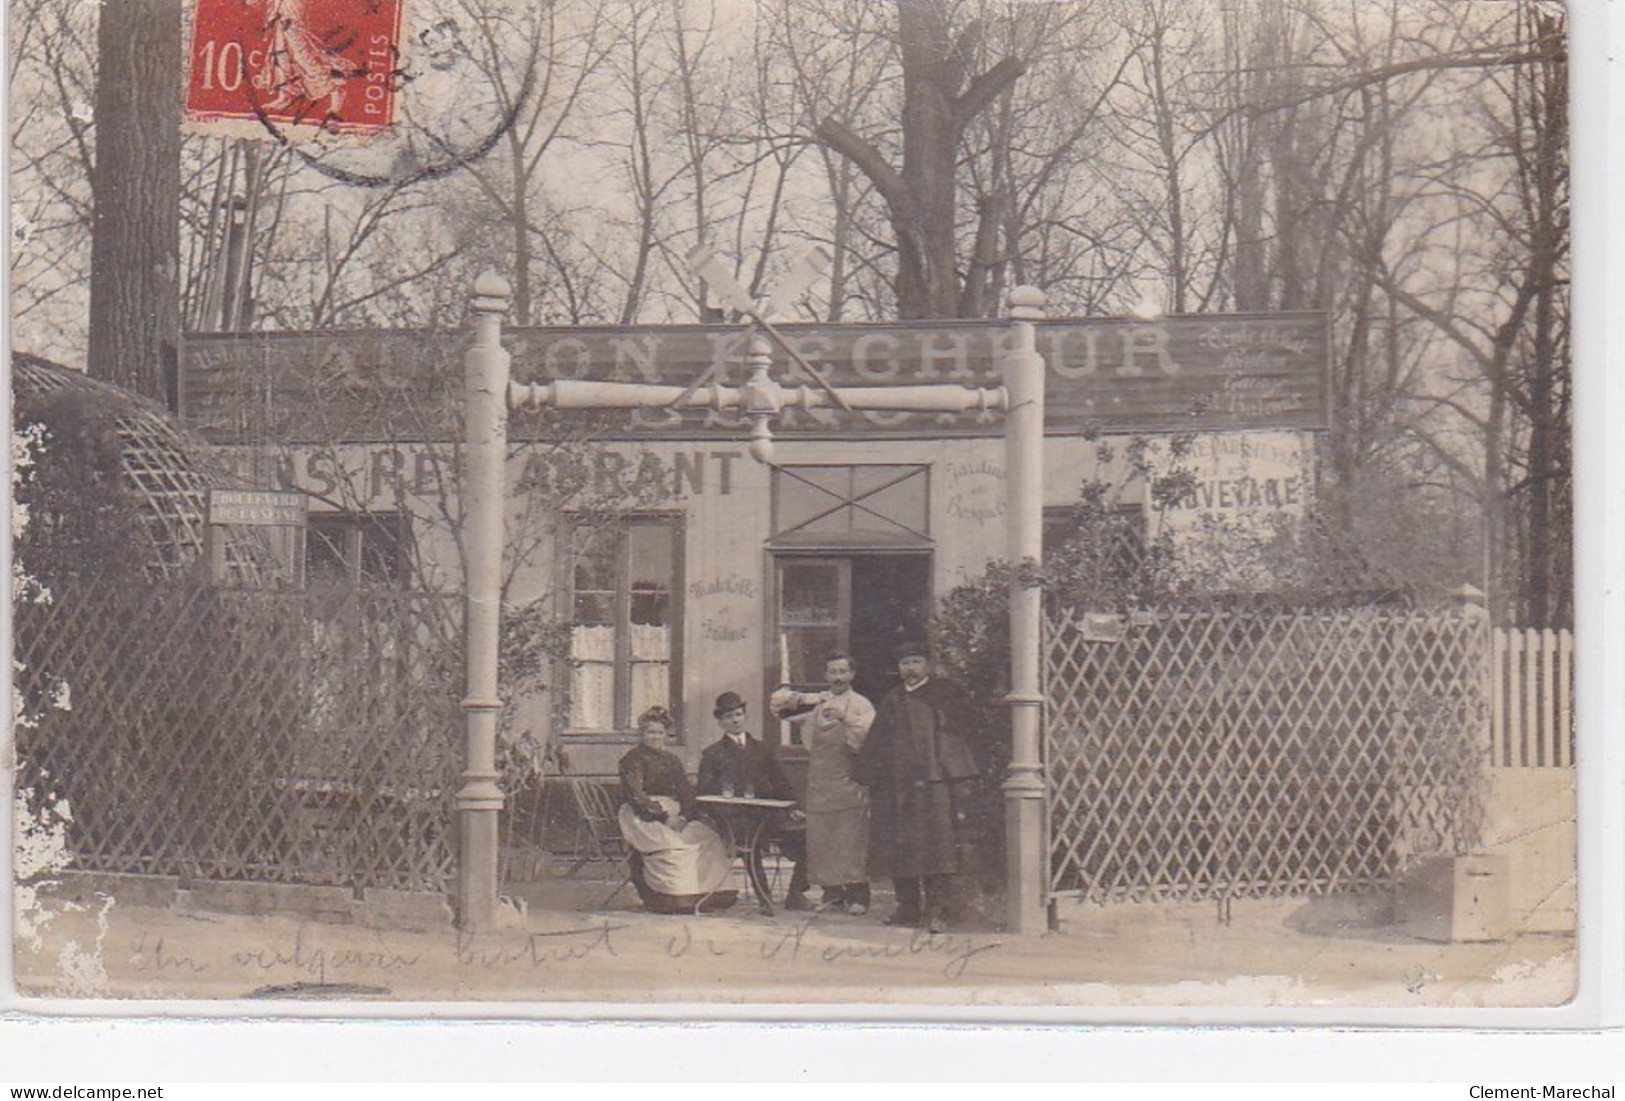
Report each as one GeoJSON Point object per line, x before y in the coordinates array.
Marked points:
{"type": "Point", "coordinates": [1207, 373]}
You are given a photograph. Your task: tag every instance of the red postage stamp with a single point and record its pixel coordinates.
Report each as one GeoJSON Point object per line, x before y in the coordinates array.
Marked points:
{"type": "Point", "coordinates": [328, 64]}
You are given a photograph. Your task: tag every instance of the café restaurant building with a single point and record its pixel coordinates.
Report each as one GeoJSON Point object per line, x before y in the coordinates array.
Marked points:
{"type": "Point", "coordinates": [684, 567]}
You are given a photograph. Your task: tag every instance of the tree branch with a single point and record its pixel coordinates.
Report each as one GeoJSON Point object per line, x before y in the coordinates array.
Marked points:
{"type": "Point", "coordinates": [987, 87]}
{"type": "Point", "coordinates": [843, 140]}
{"type": "Point", "coordinates": [1473, 59]}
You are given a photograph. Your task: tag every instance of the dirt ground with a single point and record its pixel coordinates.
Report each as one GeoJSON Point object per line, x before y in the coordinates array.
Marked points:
{"type": "Point", "coordinates": [563, 944]}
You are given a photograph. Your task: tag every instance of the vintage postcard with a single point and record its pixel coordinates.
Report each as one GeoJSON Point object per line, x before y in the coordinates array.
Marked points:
{"type": "Point", "coordinates": [919, 507]}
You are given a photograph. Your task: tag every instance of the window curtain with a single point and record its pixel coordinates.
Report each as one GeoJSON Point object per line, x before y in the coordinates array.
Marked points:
{"type": "Point", "coordinates": [592, 677]}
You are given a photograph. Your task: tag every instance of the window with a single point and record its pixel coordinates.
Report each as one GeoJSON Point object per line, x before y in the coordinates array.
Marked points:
{"type": "Point", "coordinates": [815, 610]}
{"type": "Point", "coordinates": [624, 630]}
{"type": "Point", "coordinates": [355, 549]}
{"type": "Point", "coordinates": [851, 506]}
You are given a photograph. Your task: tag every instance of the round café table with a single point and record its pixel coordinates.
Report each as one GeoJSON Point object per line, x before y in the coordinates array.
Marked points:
{"type": "Point", "coordinates": [752, 824]}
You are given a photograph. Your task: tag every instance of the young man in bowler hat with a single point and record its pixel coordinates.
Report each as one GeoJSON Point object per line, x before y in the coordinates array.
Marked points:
{"type": "Point", "coordinates": [739, 765]}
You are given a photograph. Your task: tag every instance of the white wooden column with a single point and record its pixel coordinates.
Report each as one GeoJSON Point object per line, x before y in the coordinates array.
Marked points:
{"type": "Point", "coordinates": [1026, 862]}
{"type": "Point", "coordinates": [485, 448]}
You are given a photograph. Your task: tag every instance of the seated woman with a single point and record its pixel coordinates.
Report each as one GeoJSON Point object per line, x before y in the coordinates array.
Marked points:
{"type": "Point", "coordinates": [678, 863]}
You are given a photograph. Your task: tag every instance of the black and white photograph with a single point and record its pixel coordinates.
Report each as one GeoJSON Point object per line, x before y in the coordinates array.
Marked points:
{"type": "Point", "coordinates": [860, 505]}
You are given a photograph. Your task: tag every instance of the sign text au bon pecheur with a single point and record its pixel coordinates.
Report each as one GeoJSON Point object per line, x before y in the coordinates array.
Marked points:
{"type": "Point", "coordinates": [1204, 373]}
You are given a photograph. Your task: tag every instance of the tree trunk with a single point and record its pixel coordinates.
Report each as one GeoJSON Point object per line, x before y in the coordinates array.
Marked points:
{"type": "Point", "coordinates": [135, 246]}
{"type": "Point", "coordinates": [1546, 569]}
{"type": "Point", "coordinates": [1252, 63]}
{"type": "Point", "coordinates": [927, 285]}
{"type": "Point", "coordinates": [940, 99]}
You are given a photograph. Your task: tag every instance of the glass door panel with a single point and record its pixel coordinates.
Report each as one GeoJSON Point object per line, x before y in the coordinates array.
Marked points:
{"type": "Point", "coordinates": [814, 617]}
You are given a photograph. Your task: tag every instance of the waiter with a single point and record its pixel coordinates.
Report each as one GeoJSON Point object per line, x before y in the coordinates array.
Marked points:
{"type": "Point", "coordinates": [923, 777]}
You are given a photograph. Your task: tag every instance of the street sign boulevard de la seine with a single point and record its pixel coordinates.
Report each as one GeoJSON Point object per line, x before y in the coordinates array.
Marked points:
{"type": "Point", "coordinates": [256, 508]}
{"type": "Point", "coordinates": [1198, 373]}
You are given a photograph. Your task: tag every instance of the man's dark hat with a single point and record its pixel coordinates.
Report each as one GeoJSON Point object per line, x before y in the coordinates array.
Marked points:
{"type": "Point", "coordinates": [913, 648]}
{"type": "Point", "coordinates": [728, 701]}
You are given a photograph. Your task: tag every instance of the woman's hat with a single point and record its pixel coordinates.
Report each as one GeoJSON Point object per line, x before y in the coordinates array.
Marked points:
{"type": "Point", "coordinates": [657, 714]}
{"type": "Point", "coordinates": [728, 701]}
{"type": "Point", "coordinates": [913, 648]}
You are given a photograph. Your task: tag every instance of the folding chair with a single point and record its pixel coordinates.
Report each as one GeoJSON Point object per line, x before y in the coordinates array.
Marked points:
{"type": "Point", "coordinates": [604, 838]}
{"type": "Point", "coordinates": [524, 856]}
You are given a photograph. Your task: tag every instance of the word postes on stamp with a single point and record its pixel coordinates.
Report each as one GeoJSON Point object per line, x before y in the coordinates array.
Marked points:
{"type": "Point", "coordinates": [326, 64]}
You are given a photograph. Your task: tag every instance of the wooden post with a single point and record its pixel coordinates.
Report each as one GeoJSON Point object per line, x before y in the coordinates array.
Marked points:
{"type": "Point", "coordinates": [214, 553]}
{"type": "Point", "coordinates": [1564, 753]}
{"type": "Point", "coordinates": [1500, 653]}
{"type": "Point", "coordinates": [1470, 605]}
{"type": "Point", "coordinates": [485, 447]}
{"type": "Point", "coordinates": [1026, 863]}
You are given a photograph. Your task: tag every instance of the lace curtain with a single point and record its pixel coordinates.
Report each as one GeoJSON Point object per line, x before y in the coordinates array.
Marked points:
{"type": "Point", "coordinates": [651, 668]}
{"type": "Point", "coordinates": [592, 677]}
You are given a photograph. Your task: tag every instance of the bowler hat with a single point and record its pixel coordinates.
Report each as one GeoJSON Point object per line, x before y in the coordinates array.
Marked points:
{"type": "Point", "coordinates": [728, 701]}
{"type": "Point", "coordinates": [913, 648]}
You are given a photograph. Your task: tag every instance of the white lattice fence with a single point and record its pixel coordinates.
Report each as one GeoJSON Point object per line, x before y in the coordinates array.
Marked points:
{"type": "Point", "coordinates": [1223, 754]}
{"type": "Point", "coordinates": [302, 737]}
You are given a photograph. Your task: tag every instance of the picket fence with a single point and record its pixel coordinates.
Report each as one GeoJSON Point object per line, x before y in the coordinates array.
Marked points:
{"type": "Point", "coordinates": [1531, 694]}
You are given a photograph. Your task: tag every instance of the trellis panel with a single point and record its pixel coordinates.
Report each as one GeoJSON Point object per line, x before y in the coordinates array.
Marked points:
{"type": "Point", "coordinates": [303, 737]}
{"type": "Point", "coordinates": [1224, 754]}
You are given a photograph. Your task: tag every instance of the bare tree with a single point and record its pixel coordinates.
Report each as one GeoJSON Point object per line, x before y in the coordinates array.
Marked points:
{"type": "Point", "coordinates": [1504, 307]}
{"type": "Point", "coordinates": [52, 75]}
{"type": "Point", "coordinates": [829, 59]}
{"type": "Point", "coordinates": [539, 62]}
{"type": "Point", "coordinates": [942, 92]}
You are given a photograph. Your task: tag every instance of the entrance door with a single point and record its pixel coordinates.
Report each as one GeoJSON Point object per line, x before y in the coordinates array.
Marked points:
{"type": "Point", "coordinates": [864, 604]}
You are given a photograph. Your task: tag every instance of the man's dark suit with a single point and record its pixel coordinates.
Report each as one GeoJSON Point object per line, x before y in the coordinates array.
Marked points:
{"type": "Point", "coordinates": [754, 769]}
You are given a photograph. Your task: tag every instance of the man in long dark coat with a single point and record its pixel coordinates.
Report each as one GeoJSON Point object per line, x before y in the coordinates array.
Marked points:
{"type": "Point", "coordinates": [923, 773]}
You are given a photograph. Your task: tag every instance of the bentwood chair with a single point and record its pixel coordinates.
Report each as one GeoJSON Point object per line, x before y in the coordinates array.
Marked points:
{"type": "Point", "coordinates": [604, 840]}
